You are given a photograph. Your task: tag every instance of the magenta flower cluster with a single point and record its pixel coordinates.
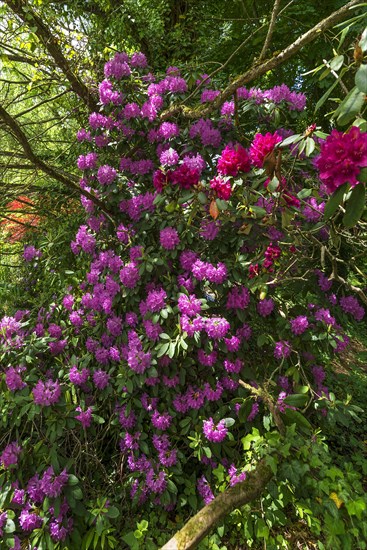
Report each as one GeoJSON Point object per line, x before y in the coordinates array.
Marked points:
{"type": "Point", "coordinates": [341, 158]}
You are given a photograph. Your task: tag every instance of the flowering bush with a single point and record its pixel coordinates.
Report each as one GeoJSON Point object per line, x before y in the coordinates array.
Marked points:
{"type": "Point", "coordinates": [198, 288]}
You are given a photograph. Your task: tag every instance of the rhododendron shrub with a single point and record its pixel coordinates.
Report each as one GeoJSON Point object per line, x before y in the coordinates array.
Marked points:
{"type": "Point", "coordinates": [200, 281]}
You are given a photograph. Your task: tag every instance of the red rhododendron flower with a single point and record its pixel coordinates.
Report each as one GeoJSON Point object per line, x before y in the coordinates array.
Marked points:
{"type": "Point", "coordinates": [341, 158]}
{"type": "Point", "coordinates": [234, 159]}
{"type": "Point", "coordinates": [221, 187]}
{"type": "Point", "coordinates": [262, 146]}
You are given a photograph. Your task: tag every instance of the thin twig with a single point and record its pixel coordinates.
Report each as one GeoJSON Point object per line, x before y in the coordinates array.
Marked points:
{"type": "Point", "coordinates": [343, 86]}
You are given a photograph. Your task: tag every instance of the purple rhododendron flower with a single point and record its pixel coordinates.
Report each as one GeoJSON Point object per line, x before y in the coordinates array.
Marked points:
{"type": "Point", "coordinates": [214, 432]}
{"type": "Point", "coordinates": [51, 484]}
{"type": "Point", "coordinates": [46, 393]}
{"type": "Point", "coordinates": [10, 455]}
{"type": "Point", "coordinates": [106, 174]}
{"type": "Point", "coordinates": [3, 519]}
{"type": "Point", "coordinates": [28, 520]}
{"type": "Point", "coordinates": [299, 324]}
{"type": "Point", "coordinates": [350, 304]}
{"type": "Point", "coordinates": [85, 417]}
{"type": "Point", "coordinates": [265, 307]}
{"type": "Point", "coordinates": [282, 350]}
{"type": "Point", "coordinates": [169, 238]}
{"type": "Point", "coordinates": [204, 490]}
{"type": "Point", "coordinates": [30, 253]}
{"type": "Point", "coordinates": [13, 378]}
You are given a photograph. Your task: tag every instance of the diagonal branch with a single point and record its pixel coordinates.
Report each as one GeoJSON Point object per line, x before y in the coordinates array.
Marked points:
{"type": "Point", "coordinates": [23, 10]}
{"type": "Point", "coordinates": [258, 70]}
{"type": "Point", "coordinates": [204, 521]}
{"type": "Point", "coordinates": [271, 29]}
{"type": "Point", "coordinates": [21, 138]}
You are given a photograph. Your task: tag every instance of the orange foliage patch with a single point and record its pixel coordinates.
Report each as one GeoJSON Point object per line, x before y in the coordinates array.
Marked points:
{"type": "Point", "coordinates": [21, 212]}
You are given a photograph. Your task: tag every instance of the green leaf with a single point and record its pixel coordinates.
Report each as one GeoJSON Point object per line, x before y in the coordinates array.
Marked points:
{"type": "Point", "coordinates": [287, 217]}
{"type": "Point", "coordinates": [56, 506]}
{"type": "Point", "coordinates": [362, 176]}
{"type": "Point", "coordinates": [350, 107]}
{"type": "Point", "coordinates": [143, 525]}
{"type": "Point", "coordinates": [310, 146]}
{"type": "Point", "coordinates": [207, 452]}
{"type": "Point", "coordinates": [9, 526]}
{"type": "Point", "coordinates": [361, 79]}
{"type": "Point", "coordinates": [258, 210]}
{"type": "Point", "coordinates": [171, 350]}
{"type": "Point", "coordinates": [291, 139]}
{"type": "Point", "coordinates": [163, 349]}
{"type": "Point", "coordinates": [203, 199]}
{"type": "Point", "coordinates": [222, 205]}
{"type": "Point", "coordinates": [172, 488]}
{"type": "Point", "coordinates": [295, 417]}
{"type": "Point", "coordinates": [130, 540]}
{"type": "Point", "coordinates": [171, 207]}
{"type": "Point", "coordinates": [356, 507]}
{"type": "Point", "coordinates": [183, 344]}
{"type": "Point", "coordinates": [87, 541]}
{"type": "Point", "coordinates": [343, 35]}
{"type": "Point", "coordinates": [220, 531]}
{"type": "Point", "coordinates": [261, 529]}
{"type": "Point", "coordinates": [245, 410]}
{"type": "Point", "coordinates": [112, 512]}
{"type": "Point", "coordinates": [355, 206]}
{"type": "Point", "coordinates": [129, 386]}
{"type": "Point", "coordinates": [320, 134]}
{"type": "Point", "coordinates": [77, 493]}
{"type": "Point", "coordinates": [335, 200]}
{"type": "Point", "coordinates": [296, 400]}
{"type": "Point", "coordinates": [337, 62]}
{"type": "Point", "coordinates": [228, 422]}
{"type": "Point", "coordinates": [363, 40]}
{"type": "Point", "coordinates": [185, 197]}
{"type": "Point", "coordinates": [158, 199]}
{"type": "Point", "coordinates": [304, 193]}
{"type": "Point", "coordinates": [261, 340]}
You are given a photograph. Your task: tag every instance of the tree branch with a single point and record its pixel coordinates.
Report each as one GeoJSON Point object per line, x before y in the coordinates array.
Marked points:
{"type": "Point", "coordinates": [204, 521]}
{"type": "Point", "coordinates": [271, 29]}
{"type": "Point", "coordinates": [22, 9]}
{"type": "Point", "coordinates": [21, 138]}
{"type": "Point", "coordinates": [48, 100]}
{"type": "Point", "coordinates": [268, 400]}
{"type": "Point", "coordinates": [257, 70]}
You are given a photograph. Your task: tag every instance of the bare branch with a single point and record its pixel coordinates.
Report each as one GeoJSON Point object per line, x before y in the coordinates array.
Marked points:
{"type": "Point", "coordinates": [53, 98]}
{"type": "Point", "coordinates": [334, 73]}
{"type": "Point", "coordinates": [270, 29]}
{"type": "Point", "coordinates": [23, 10]}
{"type": "Point", "coordinates": [21, 138]}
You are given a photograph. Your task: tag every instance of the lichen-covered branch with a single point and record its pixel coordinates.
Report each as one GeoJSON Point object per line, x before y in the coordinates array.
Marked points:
{"type": "Point", "coordinates": [204, 521]}
{"type": "Point", "coordinates": [258, 69]}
